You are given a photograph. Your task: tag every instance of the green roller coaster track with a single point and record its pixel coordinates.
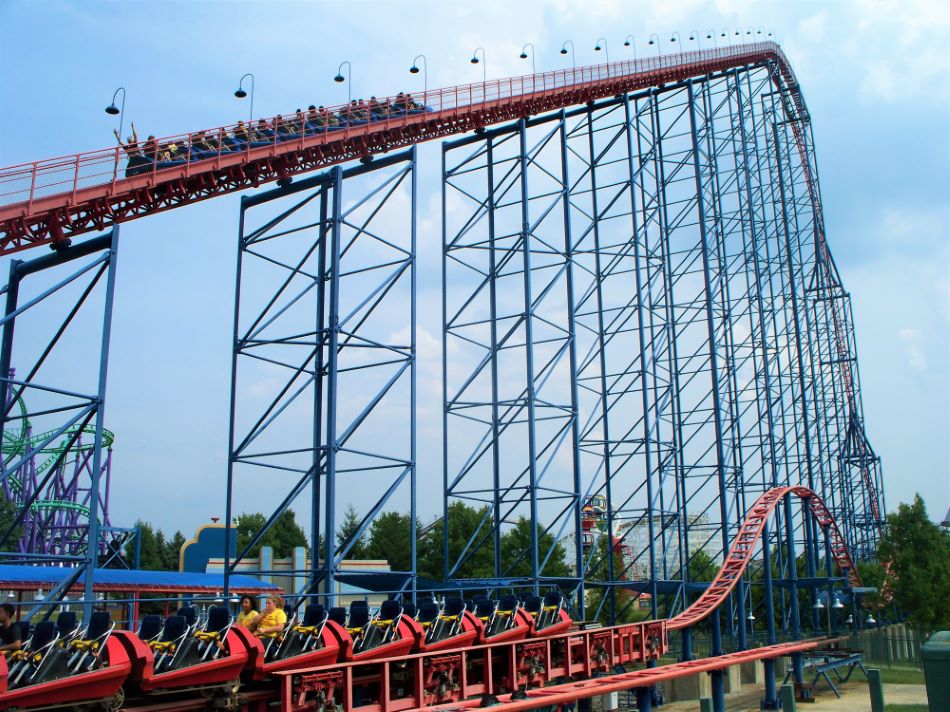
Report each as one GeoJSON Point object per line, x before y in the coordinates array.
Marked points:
{"type": "Point", "coordinates": [16, 443]}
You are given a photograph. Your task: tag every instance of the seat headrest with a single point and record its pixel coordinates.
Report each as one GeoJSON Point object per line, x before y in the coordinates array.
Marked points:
{"type": "Point", "coordinates": [218, 618]}
{"type": "Point", "coordinates": [358, 617]}
{"type": "Point", "coordinates": [553, 598]}
{"type": "Point", "coordinates": [337, 615]}
{"type": "Point", "coordinates": [358, 604]}
{"type": "Point", "coordinates": [532, 604]}
{"type": "Point", "coordinates": [390, 610]}
{"type": "Point", "coordinates": [189, 613]}
{"type": "Point", "coordinates": [175, 627]}
{"type": "Point", "coordinates": [151, 626]}
{"type": "Point", "coordinates": [99, 624]}
{"type": "Point", "coordinates": [409, 609]}
{"type": "Point", "coordinates": [485, 608]}
{"type": "Point", "coordinates": [508, 602]}
{"type": "Point", "coordinates": [454, 606]}
{"type": "Point", "coordinates": [428, 611]}
{"type": "Point", "coordinates": [66, 622]}
{"type": "Point", "coordinates": [314, 614]}
{"type": "Point", "coordinates": [43, 634]}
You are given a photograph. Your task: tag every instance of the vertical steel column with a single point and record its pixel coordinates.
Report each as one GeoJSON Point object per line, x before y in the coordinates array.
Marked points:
{"type": "Point", "coordinates": [493, 328]}
{"type": "Point", "coordinates": [607, 443]}
{"type": "Point", "coordinates": [580, 593]}
{"type": "Point", "coordinates": [320, 452]}
{"type": "Point", "coordinates": [529, 351]}
{"type": "Point", "coordinates": [710, 322]}
{"type": "Point", "coordinates": [333, 350]}
{"type": "Point", "coordinates": [92, 545]}
{"type": "Point", "coordinates": [413, 383]}
{"type": "Point", "coordinates": [232, 411]}
{"type": "Point", "coordinates": [641, 342]}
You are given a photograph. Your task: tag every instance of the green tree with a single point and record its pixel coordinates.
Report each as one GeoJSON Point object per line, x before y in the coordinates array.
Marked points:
{"type": "Point", "coordinates": [151, 547]}
{"type": "Point", "coordinates": [919, 552]}
{"type": "Point", "coordinates": [872, 575]}
{"type": "Point", "coordinates": [516, 551]}
{"type": "Point", "coordinates": [8, 513]}
{"type": "Point", "coordinates": [173, 551]}
{"type": "Point", "coordinates": [347, 530]}
{"type": "Point", "coordinates": [463, 523]}
{"type": "Point", "coordinates": [389, 539]}
{"type": "Point", "coordinates": [283, 536]}
{"type": "Point", "coordinates": [701, 566]}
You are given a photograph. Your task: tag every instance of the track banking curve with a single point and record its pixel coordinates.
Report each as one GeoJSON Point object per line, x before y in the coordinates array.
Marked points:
{"type": "Point", "coordinates": [53, 200]}
{"type": "Point", "coordinates": [743, 547]}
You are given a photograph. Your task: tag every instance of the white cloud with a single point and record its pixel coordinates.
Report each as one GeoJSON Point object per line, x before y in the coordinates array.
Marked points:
{"type": "Point", "coordinates": [916, 360]}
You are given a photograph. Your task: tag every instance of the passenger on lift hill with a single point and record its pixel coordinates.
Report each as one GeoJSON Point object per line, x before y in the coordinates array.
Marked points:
{"type": "Point", "coordinates": [11, 637]}
{"type": "Point", "coordinates": [272, 621]}
{"type": "Point", "coordinates": [248, 612]}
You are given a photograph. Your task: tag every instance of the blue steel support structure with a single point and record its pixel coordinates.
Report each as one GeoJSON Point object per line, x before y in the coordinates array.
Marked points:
{"type": "Point", "coordinates": [324, 361]}
{"type": "Point", "coordinates": [58, 408]}
{"type": "Point", "coordinates": [701, 325]}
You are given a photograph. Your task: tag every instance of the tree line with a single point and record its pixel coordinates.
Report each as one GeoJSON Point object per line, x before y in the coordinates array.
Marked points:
{"type": "Point", "coordinates": [919, 552]}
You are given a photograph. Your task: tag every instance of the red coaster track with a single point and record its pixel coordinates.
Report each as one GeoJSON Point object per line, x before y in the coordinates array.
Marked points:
{"type": "Point", "coordinates": [743, 548]}
{"type": "Point", "coordinates": [50, 201]}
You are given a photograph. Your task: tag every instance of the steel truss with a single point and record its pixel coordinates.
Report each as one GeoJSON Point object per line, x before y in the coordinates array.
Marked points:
{"type": "Point", "coordinates": [642, 306]}
{"type": "Point", "coordinates": [324, 361]}
{"type": "Point", "coordinates": [57, 481]}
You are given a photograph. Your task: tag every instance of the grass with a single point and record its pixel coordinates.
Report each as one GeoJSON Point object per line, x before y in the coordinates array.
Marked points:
{"type": "Point", "coordinates": [896, 676]}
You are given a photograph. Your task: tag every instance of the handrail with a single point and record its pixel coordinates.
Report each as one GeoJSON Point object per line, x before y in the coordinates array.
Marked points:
{"type": "Point", "coordinates": [24, 183]}
{"type": "Point", "coordinates": [740, 554]}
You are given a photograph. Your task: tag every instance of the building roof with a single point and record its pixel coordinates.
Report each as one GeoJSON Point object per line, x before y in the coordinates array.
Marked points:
{"type": "Point", "coordinates": [23, 578]}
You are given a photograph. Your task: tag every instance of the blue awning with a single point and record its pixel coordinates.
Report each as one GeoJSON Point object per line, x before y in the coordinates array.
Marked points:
{"type": "Point", "coordinates": [15, 577]}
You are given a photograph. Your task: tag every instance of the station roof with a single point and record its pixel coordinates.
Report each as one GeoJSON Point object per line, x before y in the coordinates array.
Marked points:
{"type": "Point", "coordinates": [24, 578]}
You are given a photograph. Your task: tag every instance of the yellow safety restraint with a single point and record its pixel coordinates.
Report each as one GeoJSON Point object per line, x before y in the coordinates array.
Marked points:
{"type": "Point", "coordinates": [92, 645]}
{"type": "Point", "coordinates": [308, 629]}
{"type": "Point", "coordinates": [161, 646]}
{"type": "Point", "coordinates": [207, 635]}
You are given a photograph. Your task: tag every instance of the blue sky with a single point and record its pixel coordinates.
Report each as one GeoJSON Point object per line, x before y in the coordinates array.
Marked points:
{"type": "Point", "coordinates": [873, 73]}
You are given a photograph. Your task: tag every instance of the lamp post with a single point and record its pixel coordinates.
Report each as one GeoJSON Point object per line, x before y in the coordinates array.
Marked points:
{"type": "Point", "coordinates": [524, 55]}
{"type": "Point", "coordinates": [573, 57]}
{"type": "Point", "coordinates": [414, 69]}
{"type": "Point", "coordinates": [240, 94]}
{"type": "Point", "coordinates": [474, 60]}
{"type": "Point", "coordinates": [694, 37]}
{"type": "Point", "coordinates": [711, 35]}
{"type": "Point", "coordinates": [676, 37]}
{"type": "Point", "coordinates": [631, 42]}
{"type": "Point", "coordinates": [655, 39]}
{"type": "Point", "coordinates": [339, 79]}
{"type": "Point", "coordinates": [112, 109]}
{"type": "Point", "coordinates": [606, 50]}
{"type": "Point", "coordinates": [725, 35]}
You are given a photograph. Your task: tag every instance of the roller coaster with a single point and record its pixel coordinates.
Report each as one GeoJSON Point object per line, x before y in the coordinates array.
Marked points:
{"type": "Point", "coordinates": [52, 486]}
{"type": "Point", "coordinates": [723, 250]}
{"type": "Point", "coordinates": [401, 657]}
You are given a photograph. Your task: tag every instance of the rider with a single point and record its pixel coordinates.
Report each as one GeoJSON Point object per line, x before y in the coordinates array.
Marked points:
{"type": "Point", "coordinates": [272, 621]}
{"type": "Point", "coordinates": [11, 636]}
{"type": "Point", "coordinates": [248, 612]}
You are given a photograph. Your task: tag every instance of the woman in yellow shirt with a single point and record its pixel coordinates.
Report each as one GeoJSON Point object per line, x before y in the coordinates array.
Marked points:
{"type": "Point", "coordinates": [248, 613]}
{"type": "Point", "coordinates": [272, 621]}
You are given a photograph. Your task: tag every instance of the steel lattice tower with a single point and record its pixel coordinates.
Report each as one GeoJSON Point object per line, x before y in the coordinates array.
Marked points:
{"type": "Point", "coordinates": [643, 308]}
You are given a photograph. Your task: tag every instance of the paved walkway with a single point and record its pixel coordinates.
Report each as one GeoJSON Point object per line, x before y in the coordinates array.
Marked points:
{"type": "Point", "coordinates": [854, 698]}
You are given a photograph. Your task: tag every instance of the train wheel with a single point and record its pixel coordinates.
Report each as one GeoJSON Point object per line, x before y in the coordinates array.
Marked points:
{"type": "Point", "coordinates": [114, 703]}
